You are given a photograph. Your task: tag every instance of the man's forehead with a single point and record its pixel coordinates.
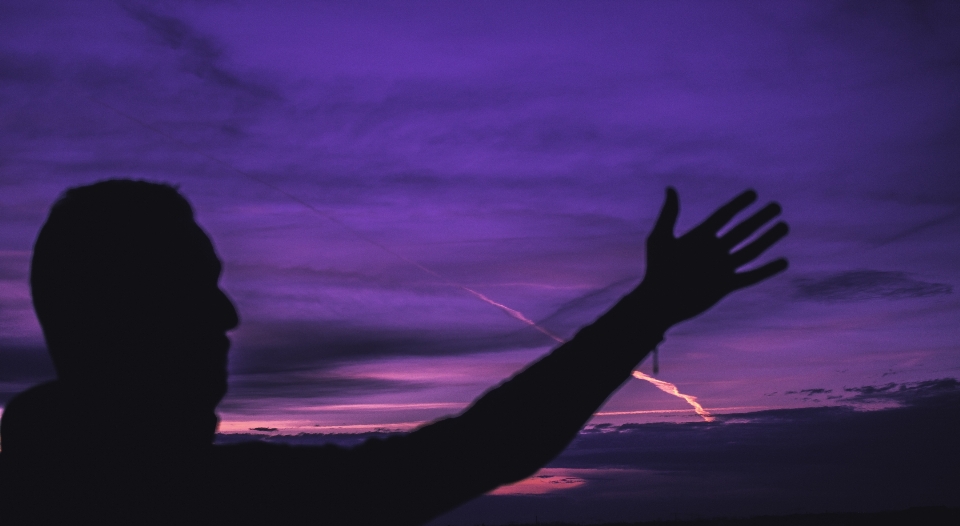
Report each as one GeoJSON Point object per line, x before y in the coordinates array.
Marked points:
{"type": "Point", "coordinates": [201, 247]}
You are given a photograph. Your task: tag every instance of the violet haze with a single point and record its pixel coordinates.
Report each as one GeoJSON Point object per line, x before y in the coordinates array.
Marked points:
{"type": "Point", "coordinates": [520, 149]}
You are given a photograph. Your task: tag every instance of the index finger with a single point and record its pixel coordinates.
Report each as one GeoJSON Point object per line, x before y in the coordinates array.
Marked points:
{"type": "Point", "coordinates": [725, 213]}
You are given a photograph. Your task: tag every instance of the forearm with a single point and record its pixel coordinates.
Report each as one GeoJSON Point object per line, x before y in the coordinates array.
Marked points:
{"type": "Point", "coordinates": [534, 415]}
{"type": "Point", "coordinates": [516, 428]}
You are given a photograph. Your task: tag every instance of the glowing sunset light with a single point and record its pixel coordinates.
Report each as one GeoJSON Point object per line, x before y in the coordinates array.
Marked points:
{"type": "Point", "coordinates": [384, 407]}
{"type": "Point", "coordinates": [659, 411]}
{"type": "Point", "coordinates": [669, 388]}
{"type": "Point", "coordinates": [547, 480]}
{"type": "Point", "coordinates": [304, 426]}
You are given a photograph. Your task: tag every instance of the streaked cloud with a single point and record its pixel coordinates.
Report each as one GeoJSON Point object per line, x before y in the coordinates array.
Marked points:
{"type": "Point", "coordinates": [199, 54]}
{"type": "Point", "coordinates": [859, 285]}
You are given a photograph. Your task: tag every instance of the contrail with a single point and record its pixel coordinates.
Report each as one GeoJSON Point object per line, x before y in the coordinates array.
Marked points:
{"type": "Point", "coordinates": [669, 388]}
{"type": "Point", "coordinates": [510, 312]}
{"type": "Point", "coordinates": [513, 313]}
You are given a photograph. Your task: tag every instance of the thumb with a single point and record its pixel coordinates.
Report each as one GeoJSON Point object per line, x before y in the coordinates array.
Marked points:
{"type": "Point", "coordinates": [667, 220]}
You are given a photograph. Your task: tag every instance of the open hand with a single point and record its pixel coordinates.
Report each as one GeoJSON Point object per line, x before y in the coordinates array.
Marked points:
{"type": "Point", "coordinates": [687, 275]}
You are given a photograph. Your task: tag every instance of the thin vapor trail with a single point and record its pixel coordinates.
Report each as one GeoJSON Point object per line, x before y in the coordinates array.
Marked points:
{"type": "Point", "coordinates": [514, 313]}
{"type": "Point", "coordinates": [669, 388]}
{"type": "Point", "coordinates": [510, 312]}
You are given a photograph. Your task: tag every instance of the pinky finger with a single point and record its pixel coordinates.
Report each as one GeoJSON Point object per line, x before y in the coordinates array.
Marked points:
{"type": "Point", "coordinates": [752, 277]}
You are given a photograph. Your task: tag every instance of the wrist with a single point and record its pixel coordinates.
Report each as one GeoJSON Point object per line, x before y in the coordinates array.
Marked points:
{"type": "Point", "coordinates": [647, 305]}
{"type": "Point", "coordinates": [633, 327]}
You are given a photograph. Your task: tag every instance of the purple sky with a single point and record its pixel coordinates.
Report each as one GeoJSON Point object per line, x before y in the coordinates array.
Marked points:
{"type": "Point", "coordinates": [521, 150]}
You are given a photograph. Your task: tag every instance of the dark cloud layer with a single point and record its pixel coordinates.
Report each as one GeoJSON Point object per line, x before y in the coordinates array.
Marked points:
{"type": "Point", "coordinates": [303, 439]}
{"type": "Point", "coordinates": [294, 346]}
{"type": "Point", "coordinates": [199, 54]}
{"type": "Point", "coordinates": [858, 285]}
{"type": "Point", "coordinates": [783, 461]}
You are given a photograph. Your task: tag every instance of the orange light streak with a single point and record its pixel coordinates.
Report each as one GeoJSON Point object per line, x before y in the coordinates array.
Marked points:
{"type": "Point", "coordinates": [669, 388]}
{"type": "Point", "coordinates": [657, 411]}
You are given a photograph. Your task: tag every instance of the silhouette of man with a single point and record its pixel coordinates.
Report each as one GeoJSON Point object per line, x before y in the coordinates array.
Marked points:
{"type": "Point", "coordinates": [125, 285]}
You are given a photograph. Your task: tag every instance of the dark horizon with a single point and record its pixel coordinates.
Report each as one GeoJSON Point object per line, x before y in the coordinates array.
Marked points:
{"type": "Point", "coordinates": [925, 515]}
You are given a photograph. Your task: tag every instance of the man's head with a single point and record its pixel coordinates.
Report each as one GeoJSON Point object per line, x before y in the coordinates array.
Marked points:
{"type": "Point", "coordinates": [124, 283]}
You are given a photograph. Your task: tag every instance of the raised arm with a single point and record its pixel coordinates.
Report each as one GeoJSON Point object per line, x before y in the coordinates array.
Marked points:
{"type": "Point", "coordinates": [516, 428]}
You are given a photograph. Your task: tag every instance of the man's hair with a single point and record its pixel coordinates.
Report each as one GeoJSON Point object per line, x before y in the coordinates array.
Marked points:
{"type": "Point", "coordinates": [96, 262]}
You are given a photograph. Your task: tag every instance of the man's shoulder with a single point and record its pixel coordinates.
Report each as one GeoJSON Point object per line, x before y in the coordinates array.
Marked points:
{"type": "Point", "coordinates": [265, 454]}
{"type": "Point", "coordinates": [264, 459]}
{"type": "Point", "coordinates": [270, 481]}
{"type": "Point", "coordinates": [28, 415]}
{"type": "Point", "coordinates": [39, 396]}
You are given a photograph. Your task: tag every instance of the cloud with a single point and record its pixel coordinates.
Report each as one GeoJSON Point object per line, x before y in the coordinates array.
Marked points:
{"type": "Point", "coordinates": [768, 462]}
{"type": "Point", "coordinates": [320, 363]}
{"type": "Point", "coordinates": [911, 393]}
{"type": "Point", "coordinates": [303, 439]}
{"type": "Point", "coordinates": [303, 346]}
{"type": "Point", "coordinates": [871, 390]}
{"type": "Point", "coordinates": [811, 392]}
{"type": "Point", "coordinates": [923, 417]}
{"type": "Point", "coordinates": [199, 55]}
{"type": "Point", "coordinates": [860, 285]}
{"type": "Point", "coordinates": [271, 392]}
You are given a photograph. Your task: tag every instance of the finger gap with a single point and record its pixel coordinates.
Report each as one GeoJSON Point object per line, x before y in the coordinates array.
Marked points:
{"type": "Point", "coordinates": [740, 217]}
{"type": "Point", "coordinates": [756, 262]}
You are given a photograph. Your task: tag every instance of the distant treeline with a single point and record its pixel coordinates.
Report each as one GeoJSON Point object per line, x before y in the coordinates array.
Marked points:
{"type": "Point", "coordinates": [926, 516]}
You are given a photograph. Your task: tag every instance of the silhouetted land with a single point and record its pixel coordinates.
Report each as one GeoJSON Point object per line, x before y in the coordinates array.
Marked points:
{"type": "Point", "coordinates": [926, 516]}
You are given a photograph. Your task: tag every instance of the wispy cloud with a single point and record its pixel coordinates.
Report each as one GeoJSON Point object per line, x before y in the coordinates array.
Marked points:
{"type": "Point", "coordinates": [199, 54]}
{"type": "Point", "coordinates": [859, 285]}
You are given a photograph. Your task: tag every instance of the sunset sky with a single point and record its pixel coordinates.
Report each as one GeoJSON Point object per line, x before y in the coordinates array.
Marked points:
{"type": "Point", "coordinates": [335, 150]}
